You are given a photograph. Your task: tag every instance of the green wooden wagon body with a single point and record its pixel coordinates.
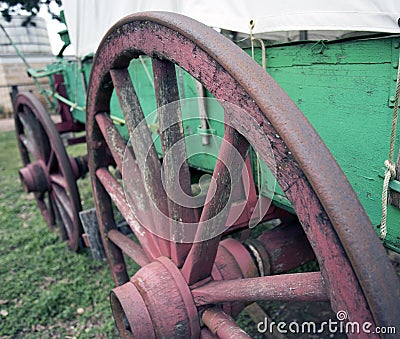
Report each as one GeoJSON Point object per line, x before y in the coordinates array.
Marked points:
{"type": "Point", "coordinates": [345, 88]}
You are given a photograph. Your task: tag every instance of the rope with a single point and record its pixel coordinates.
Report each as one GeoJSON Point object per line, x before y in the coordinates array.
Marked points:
{"type": "Point", "coordinates": [389, 164]}
{"type": "Point", "coordinates": [390, 172]}
{"type": "Point", "coordinates": [264, 65]}
{"type": "Point", "coordinates": [252, 39]}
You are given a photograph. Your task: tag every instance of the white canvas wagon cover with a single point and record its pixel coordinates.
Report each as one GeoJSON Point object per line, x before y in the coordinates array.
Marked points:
{"type": "Point", "coordinates": [89, 20]}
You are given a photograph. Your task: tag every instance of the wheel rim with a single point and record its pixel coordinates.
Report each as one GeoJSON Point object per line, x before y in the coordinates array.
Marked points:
{"type": "Point", "coordinates": [45, 160]}
{"type": "Point", "coordinates": [338, 229]}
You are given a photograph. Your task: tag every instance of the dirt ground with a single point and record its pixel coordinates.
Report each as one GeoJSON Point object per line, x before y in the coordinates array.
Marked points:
{"type": "Point", "coordinates": [6, 125]}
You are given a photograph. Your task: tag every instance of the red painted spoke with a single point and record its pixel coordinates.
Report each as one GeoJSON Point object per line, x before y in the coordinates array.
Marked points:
{"type": "Point", "coordinates": [227, 172]}
{"type": "Point", "coordinates": [28, 123]}
{"type": "Point", "coordinates": [33, 132]}
{"type": "Point", "coordinates": [222, 325]}
{"type": "Point", "coordinates": [137, 197]}
{"type": "Point", "coordinates": [63, 212]}
{"type": "Point", "coordinates": [59, 180]}
{"type": "Point", "coordinates": [51, 211]}
{"type": "Point", "coordinates": [62, 197]}
{"type": "Point", "coordinates": [30, 146]}
{"type": "Point", "coordinates": [129, 247]}
{"type": "Point", "coordinates": [60, 221]}
{"type": "Point", "coordinates": [143, 147]}
{"type": "Point", "coordinates": [47, 213]}
{"type": "Point", "coordinates": [113, 138]}
{"type": "Point", "coordinates": [50, 161]}
{"type": "Point", "coordinates": [176, 169]}
{"type": "Point", "coordinates": [134, 187]}
{"type": "Point", "coordinates": [117, 195]}
{"type": "Point", "coordinates": [106, 224]}
{"type": "Point", "coordinates": [285, 287]}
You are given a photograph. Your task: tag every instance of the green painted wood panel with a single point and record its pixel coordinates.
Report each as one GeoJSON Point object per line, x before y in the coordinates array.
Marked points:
{"type": "Point", "coordinates": [344, 89]}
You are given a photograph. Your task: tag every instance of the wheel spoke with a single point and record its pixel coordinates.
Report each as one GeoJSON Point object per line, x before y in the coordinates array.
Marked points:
{"type": "Point", "coordinates": [62, 198]}
{"type": "Point", "coordinates": [51, 160]}
{"type": "Point", "coordinates": [34, 133]}
{"type": "Point", "coordinates": [31, 146]}
{"type": "Point", "coordinates": [176, 169]}
{"type": "Point", "coordinates": [51, 211]}
{"type": "Point", "coordinates": [117, 195]}
{"type": "Point", "coordinates": [227, 172]}
{"type": "Point", "coordinates": [58, 217]}
{"type": "Point", "coordinates": [144, 150]}
{"type": "Point", "coordinates": [222, 325]}
{"type": "Point", "coordinates": [47, 211]}
{"type": "Point", "coordinates": [59, 180]}
{"type": "Point", "coordinates": [129, 247]}
{"type": "Point", "coordinates": [63, 212]}
{"type": "Point", "coordinates": [133, 185]}
{"type": "Point", "coordinates": [105, 213]}
{"type": "Point", "coordinates": [27, 137]}
{"type": "Point", "coordinates": [113, 138]}
{"type": "Point", "coordinates": [286, 287]}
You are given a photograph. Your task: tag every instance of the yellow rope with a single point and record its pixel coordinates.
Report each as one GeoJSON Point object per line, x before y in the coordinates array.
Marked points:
{"type": "Point", "coordinates": [390, 166]}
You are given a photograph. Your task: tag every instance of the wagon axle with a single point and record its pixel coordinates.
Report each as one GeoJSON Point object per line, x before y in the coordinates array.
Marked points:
{"type": "Point", "coordinates": [35, 176]}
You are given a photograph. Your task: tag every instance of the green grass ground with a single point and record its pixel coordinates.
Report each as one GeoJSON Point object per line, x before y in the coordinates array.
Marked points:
{"type": "Point", "coordinates": [46, 291]}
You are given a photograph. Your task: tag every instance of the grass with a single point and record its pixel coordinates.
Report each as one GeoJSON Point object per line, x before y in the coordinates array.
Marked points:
{"type": "Point", "coordinates": [46, 291]}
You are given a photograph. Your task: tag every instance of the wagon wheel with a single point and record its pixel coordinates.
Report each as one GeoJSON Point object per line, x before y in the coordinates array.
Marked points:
{"type": "Point", "coordinates": [48, 171]}
{"type": "Point", "coordinates": [355, 274]}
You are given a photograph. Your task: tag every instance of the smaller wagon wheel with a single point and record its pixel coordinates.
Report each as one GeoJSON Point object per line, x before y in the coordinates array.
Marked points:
{"type": "Point", "coordinates": [176, 291]}
{"type": "Point", "coordinates": [48, 172]}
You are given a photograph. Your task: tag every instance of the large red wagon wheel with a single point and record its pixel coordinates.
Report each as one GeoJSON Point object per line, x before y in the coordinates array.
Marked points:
{"type": "Point", "coordinates": [172, 291]}
{"type": "Point", "coordinates": [48, 171]}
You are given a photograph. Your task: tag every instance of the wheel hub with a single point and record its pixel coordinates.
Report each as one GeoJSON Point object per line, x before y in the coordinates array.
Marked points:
{"type": "Point", "coordinates": [34, 177]}
{"type": "Point", "coordinates": [79, 166]}
{"type": "Point", "coordinates": [156, 302]}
